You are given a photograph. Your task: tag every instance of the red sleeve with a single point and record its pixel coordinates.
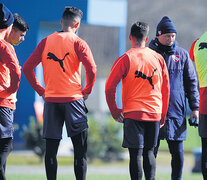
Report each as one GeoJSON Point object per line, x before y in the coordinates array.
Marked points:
{"type": "Point", "coordinates": [29, 66]}
{"type": "Point", "coordinates": [191, 50]}
{"type": "Point", "coordinates": [15, 74]}
{"type": "Point", "coordinates": [118, 71]}
{"type": "Point", "coordinates": [8, 57]}
{"type": "Point", "coordinates": [86, 57]}
{"type": "Point", "coordinates": [165, 91]}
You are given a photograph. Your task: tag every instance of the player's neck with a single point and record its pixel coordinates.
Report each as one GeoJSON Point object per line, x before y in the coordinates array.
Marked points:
{"type": "Point", "coordinates": [69, 29]}
{"type": "Point", "coordinates": [138, 44]}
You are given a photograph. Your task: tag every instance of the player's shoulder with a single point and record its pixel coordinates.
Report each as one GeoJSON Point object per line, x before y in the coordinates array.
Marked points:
{"type": "Point", "coordinates": [6, 47]}
{"type": "Point", "coordinates": [80, 40]}
{"type": "Point", "coordinates": [4, 44]}
{"type": "Point", "coordinates": [80, 43]}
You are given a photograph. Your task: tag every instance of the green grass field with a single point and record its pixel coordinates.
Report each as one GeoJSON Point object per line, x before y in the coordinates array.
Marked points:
{"type": "Point", "coordinates": [98, 177]}
{"type": "Point", "coordinates": [31, 161]}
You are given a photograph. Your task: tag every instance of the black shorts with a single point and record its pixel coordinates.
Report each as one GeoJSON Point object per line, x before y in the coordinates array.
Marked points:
{"type": "Point", "coordinates": [6, 122]}
{"type": "Point", "coordinates": [140, 134]}
{"type": "Point", "coordinates": [202, 126]}
{"type": "Point", "coordinates": [73, 114]}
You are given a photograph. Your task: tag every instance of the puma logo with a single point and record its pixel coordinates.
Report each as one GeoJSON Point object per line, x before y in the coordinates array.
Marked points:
{"type": "Point", "coordinates": [139, 74]}
{"type": "Point", "coordinates": [202, 45]}
{"type": "Point", "coordinates": [52, 56]}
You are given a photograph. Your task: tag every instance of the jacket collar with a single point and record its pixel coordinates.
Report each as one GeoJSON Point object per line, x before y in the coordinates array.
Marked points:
{"type": "Point", "coordinates": [156, 45]}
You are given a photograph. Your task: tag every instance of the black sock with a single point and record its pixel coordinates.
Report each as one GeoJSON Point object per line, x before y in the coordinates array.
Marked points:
{"type": "Point", "coordinates": [5, 149]}
{"type": "Point", "coordinates": [80, 148]}
{"type": "Point", "coordinates": [135, 165]}
{"type": "Point", "coordinates": [149, 163]}
{"type": "Point", "coordinates": [50, 158]}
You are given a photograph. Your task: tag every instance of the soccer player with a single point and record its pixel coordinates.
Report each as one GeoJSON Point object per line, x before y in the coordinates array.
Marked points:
{"type": "Point", "coordinates": [9, 83]}
{"type": "Point", "coordinates": [145, 96]}
{"type": "Point", "coordinates": [198, 55]}
{"type": "Point", "coordinates": [19, 30]}
{"type": "Point", "coordinates": [62, 54]}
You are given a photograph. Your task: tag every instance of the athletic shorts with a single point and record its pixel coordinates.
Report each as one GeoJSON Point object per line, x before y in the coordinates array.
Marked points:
{"type": "Point", "coordinates": [202, 126]}
{"type": "Point", "coordinates": [6, 122]}
{"type": "Point", "coordinates": [73, 114]}
{"type": "Point", "coordinates": [140, 134]}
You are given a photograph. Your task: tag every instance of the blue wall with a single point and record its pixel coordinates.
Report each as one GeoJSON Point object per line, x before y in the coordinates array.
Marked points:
{"type": "Point", "coordinates": [34, 12]}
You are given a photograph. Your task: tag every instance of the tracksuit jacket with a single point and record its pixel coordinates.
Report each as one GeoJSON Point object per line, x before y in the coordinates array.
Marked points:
{"type": "Point", "coordinates": [183, 84]}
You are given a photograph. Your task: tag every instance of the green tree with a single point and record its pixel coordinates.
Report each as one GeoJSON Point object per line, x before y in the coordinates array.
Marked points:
{"type": "Point", "coordinates": [33, 137]}
{"type": "Point", "coordinates": [104, 139]}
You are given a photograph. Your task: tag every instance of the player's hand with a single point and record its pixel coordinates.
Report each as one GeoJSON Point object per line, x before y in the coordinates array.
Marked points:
{"type": "Point", "coordinates": [195, 114]}
{"type": "Point", "coordinates": [120, 118]}
{"type": "Point", "coordinates": [85, 96]}
{"type": "Point", "coordinates": [43, 96]}
{"type": "Point", "coordinates": [162, 122]}
{"type": "Point", "coordinates": [161, 125]}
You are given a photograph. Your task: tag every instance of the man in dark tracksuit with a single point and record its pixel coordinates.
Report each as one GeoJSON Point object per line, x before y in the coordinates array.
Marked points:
{"type": "Point", "coordinates": [183, 83]}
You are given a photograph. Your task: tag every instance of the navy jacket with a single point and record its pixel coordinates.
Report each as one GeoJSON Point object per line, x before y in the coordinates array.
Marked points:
{"type": "Point", "coordinates": [183, 84]}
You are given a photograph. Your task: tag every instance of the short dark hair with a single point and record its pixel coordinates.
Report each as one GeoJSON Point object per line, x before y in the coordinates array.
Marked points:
{"type": "Point", "coordinates": [71, 13]}
{"type": "Point", "coordinates": [139, 30]}
{"type": "Point", "coordinates": [20, 23]}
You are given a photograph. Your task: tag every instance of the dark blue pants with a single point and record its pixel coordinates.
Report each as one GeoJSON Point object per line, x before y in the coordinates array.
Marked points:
{"type": "Point", "coordinates": [140, 138]}
{"type": "Point", "coordinates": [177, 161]}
